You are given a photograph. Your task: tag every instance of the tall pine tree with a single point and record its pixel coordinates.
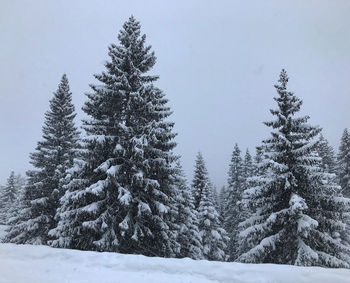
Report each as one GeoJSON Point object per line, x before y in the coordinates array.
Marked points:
{"type": "Point", "coordinates": [344, 163]}
{"type": "Point", "coordinates": [52, 157]}
{"type": "Point", "coordinates": [298, 211]}
{"type": "Point", "coordinates": [233, 212]}
{"type": "Point", "coordinates": [121, 196]}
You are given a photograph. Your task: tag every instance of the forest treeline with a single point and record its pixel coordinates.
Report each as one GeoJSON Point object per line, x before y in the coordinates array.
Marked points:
{"type": "Point", "coordinates": [116, 185]}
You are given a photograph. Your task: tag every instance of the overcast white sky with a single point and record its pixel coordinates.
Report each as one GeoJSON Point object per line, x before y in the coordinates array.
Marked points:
{"type": "Point", "coordinates": [217, 61]}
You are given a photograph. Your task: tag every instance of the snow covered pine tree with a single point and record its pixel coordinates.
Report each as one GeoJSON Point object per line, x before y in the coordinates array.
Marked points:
{"type": "Point", "coordinates": [248, 167]}
{"type": "Point", "coordinates": [223, 195]}
{"type": "Point", "coordinates": [200, 179]}
{"type": "Point", "coordinates": [17, 206]}
{"type": "Point", "coordinates": [214, 237]}
{"type": "Point", "coordinates": [121, 196]}
{"type": "Point", "coordinates": [298, 210]}
{"type": "Point", "coordinates": [344, 163]}
{"type": "Point", "coordinates": [53, 155]}
{"type": "Point", "coordinates": [233, 213]}
{"type": "Point", "coordinates": [187, 219]}
{"type": "Point", "coordinates": [326, 152]}
{"type": "Point", "coordinates": [7, 198]}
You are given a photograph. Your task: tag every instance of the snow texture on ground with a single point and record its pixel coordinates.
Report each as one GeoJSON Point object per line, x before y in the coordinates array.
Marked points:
{"type": "Point", "coordinates": [26, 263]}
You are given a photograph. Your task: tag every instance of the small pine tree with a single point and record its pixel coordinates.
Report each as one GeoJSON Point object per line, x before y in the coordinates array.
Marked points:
{"type": "Point", "coordinates": [53, 156]}
{"type": "Point", "coordinates": [344, 163]}
{"type": "Point", "coordinates": [121, 195]}
{"type": "Point", "coordinates": [200, 179]}
{"type": "Point", "coordinates": [223, 195]}
{"type": "Point", "coordinates": [233, 211]}
{"type": "Point", "coordinates": [16, 208]}
{"type": "Point", "coordinates": [214, 237]}
{"type": "Point", "coordinates": [326, 152]}
{"type": "Point", "coordinates": [216, 198]}
{"type": "Point", "coordinates": [187, 220]}
{"type": "Point", "coordinates": [8, 198]}
{"type": "Point", "coordinates": [297, 215]}
{"type": "Point", "coordinates": [250, 182]}
{"type": "Point", "coordinates": [248, 166]}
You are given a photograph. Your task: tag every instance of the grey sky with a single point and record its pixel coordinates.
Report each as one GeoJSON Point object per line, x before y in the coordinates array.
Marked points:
{"type": "Point", "coordinates": [217, 61]}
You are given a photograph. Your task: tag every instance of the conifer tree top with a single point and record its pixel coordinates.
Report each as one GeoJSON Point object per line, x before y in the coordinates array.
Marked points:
{"type": "Point", "coordinates": [201, 172]}
{"type": "Point", "coordinates": [287, 102]}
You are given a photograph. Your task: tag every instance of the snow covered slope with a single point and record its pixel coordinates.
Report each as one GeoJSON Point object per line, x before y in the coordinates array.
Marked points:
{"type": "Point", "coordinates": [25, 263]}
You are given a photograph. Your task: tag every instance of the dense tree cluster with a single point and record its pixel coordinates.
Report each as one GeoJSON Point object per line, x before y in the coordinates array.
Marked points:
{"type": "Point", "coordinates": [119, 186]}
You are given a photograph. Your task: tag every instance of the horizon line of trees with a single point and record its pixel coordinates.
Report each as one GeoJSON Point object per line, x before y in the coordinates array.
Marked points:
{"type": "Point", "coordinates": [119, 187]}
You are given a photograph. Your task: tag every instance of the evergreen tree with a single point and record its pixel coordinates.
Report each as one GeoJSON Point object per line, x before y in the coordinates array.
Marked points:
{"type": "Point", "coordinates": [216, 198]}
{"type": "Point", "coordinates": [8, 197]}
{"type": "Point", "coordinates": [16, 208]}
{"type": "Point", "coordinates": [200, 179]}
{"type": "Point", "coordinates": [187, 219]}
{"type": "Point", "coordinates": [248, 166]}
{"type": "Point", "coordinates": [223, 195]}
{"type": "Point", "coordinates": [343, 174]}
{"type": "Point", "coordinates": [298, 211]}
{"type": "Point", "coordinates": [250, 181]}
{"type": "Point", "coordinates": [344, 163]}
{"type": "Point", "coordinates": [249, 169]}
{"type": "Point", "coordinates": [214, 237]}
{"type": "Point", "coordinates": [121, 194]}
{"type": "Point", "coordinates": [326, 152]}
{"type": "Point", "coordinates": [53, 155]}
{"type": "Point", "coordinates": [233, 211]}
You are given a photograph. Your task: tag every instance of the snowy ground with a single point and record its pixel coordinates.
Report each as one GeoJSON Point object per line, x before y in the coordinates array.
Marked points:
{"type": "Point", "coordinates": [25, 263]}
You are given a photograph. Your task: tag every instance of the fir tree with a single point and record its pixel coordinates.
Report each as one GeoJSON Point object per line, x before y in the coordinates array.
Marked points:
{"type": "Point", "coordinates": [216, 198]}
{"type": "Point", "coordinates": [187, 219]}
{"type": "Point", "coordinates": [344, 163]}
{"type": "Point", "coordinates": [326, 152]}
{"type": "Point", "coordinates": [233, 211]}
{"type": "Point", "coordinates": [199, 179]}
{"type": "Point", "coordinates": [121, 192]}
{"type": "Point", "coordinates": [248, 166]}
{"type": "Point", "coordinates": [16, 208]}
{"type": "Point", "coordinates": [214, 237]}
{"type": "Point", "coordinates": [53, 155]}
{"type": "Point", "coordinates": [223, 195]}
{"type": "Point", "coordinates": [8, 197]}
{"type": "Point", "coordinates": [297, 209]}
{"type": "Point", "coordinates": [250, 181]}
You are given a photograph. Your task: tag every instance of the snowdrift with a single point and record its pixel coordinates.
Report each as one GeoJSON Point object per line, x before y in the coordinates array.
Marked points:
{"type": "Point", "coordinates": [26, 263]}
